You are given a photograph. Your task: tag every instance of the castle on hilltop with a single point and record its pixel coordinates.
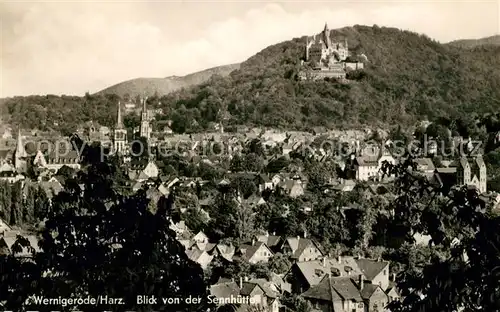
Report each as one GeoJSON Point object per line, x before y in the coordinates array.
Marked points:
{"type": "Point", "coordinates": [322, 50]}
{"type": "Point", "coordinates": [327, 58]}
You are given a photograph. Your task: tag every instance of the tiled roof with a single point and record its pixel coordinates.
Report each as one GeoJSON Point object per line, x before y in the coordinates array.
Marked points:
{"type": "Point", "coordinates": [371, 268]}
{"type": "Point", "coordinates": [334, 289]}
{"type": "Point", "coordinates": [269, 240]}
{"type": "Point", "coordinates": [225, 290]}
{"type": "Point", "coordinates": [299, 244]}
{"type": "Point", "coordinates": [314, 271]}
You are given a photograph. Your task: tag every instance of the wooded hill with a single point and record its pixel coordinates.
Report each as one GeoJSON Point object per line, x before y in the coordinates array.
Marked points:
{"type": "Point", "coordinates": [408, 77]}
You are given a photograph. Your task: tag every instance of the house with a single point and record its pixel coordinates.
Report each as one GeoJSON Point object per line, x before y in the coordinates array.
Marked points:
{"type": "Point", "coordinates": [254, 253]}
{"type": "Point", "coordinates": [375, 271]}
{"type": "Point", "coordinates": [201, 238]}
{"type": "Point", "coordinates": [425, 165]}
{"type": "Point", "coordinates": [368, 167]}
{"type": "Point", "coordinates": [261, 293]}
{"type": "Point", "coordinates": [151, 170]}
{"type": "Point", "coordinates": [264, 182]}
{"type": "Point", "coordinates": [301, 249]}
{"type": "Point", "coordinates": [294, 188]}
{"type": "Point", "coordinates": [55, 160]}
{"type": "Point", "coordinates": [304, 275]}
{"type": "Point", "coordinates": [4, 227]}
{"type": "Point", "coordinates": [274, 242]}
{"type": "Point", "coordinates": [276, 179]}
{"type": "Point", "coordinates": [8, 244]}
{"type": "Point", "coordinates": [374, 297]}
{"type": "Point", "coordinates": [255, 200]}
{"type": "Point", "coordinates": [224, 292]}
{"type": "Point", "coordinates": [224, 251]}
{"type": "Point", "coordinates": [199, 256]}
{"type": "Point", "coordinates": [472, 172]}
{"type": "Point", "coordinates": [334, 294]}
{"type": "Point", "coordinates": [392, 293]}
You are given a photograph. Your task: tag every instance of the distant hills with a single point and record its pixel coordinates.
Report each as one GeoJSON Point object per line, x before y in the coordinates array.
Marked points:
{"type": "Point", "coordinates": [471, 43]}
{"type": "Point", "coordinates": [408, 77]}
{"type": "Point", "coordinates": [150, 86]}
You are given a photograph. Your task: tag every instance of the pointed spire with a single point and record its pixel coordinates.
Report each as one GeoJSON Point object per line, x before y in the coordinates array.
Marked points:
{"type": "Point", "coordinates": [119, 123]}
{"type": "Point", "coordinates": [144, 99]}
{"type": "Point", "coordinates": [326, 27]}
{"type": "Point", "coordinates": [20, 152]}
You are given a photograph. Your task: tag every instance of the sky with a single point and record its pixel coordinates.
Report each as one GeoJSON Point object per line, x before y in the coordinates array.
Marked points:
{"type": "Point", "coordinates": [73, 47]}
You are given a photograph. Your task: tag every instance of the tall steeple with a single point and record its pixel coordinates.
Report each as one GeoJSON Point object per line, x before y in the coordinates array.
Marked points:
{"type": "Point", "coordinates": [120, 134]}
{"type": "Point", "coordinates": [20, 151]}
{"type": "Point", "coordinates": [144, 130]}
{"type": "Point", "coordinates": [20, 154]}
{"type": "Point", "coordinates": [326, 36]}
{"type": "Point", "coordinates": [119, 123]}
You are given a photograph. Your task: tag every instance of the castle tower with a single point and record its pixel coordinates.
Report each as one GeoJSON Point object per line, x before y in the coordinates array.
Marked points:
{"type": "Point", "coordinates": [326, 36]}
{"type": "Point", "coordinates": [120, 134]}
{"type": "Point", "coordinates": [20, 154]}
{"type": "Point", "coordinates": [307, 49]}
{"type": "Point", "coordinates": [144, 130]}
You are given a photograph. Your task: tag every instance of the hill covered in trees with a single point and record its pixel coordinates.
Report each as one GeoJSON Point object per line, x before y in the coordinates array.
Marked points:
{"type": "Point", "coordinates": [471, 43]}
{"type": "Point", "coordinates": [150, 86]}
{"type": "Point", "coordinates": [407, 77]}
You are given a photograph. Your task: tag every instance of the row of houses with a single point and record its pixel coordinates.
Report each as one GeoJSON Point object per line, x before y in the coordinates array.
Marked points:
{"type": "Point", "coordinates": [330, 284]}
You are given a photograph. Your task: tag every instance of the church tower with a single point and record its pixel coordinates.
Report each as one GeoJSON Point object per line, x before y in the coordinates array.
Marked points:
{"type": "Point", "coordinates": [20, 154]}
{"type": "Point", "coordinates": [326, 37]}
{"type": "Point", "coordinates": [120, 134]}
{"type": "Point", "coordinates": [144, 130]}
{"type": "Point", "coordinates": [307, 49]}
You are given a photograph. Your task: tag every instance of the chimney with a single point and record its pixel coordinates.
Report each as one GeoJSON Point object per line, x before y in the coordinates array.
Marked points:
{"type": "Point", "coordinates": [339, 259]}
{"type": "Point", "coordinates": [253, 241]}
{"type": "Point", "coordinates": [241, 282]}
{"type": "Point", "coordinates": [324, 261]}
{"type": "Point", "coordinates": [361, 281]}
{"type": "Point", "coordinates": [246, 278]}
{"type": "Point", "coordinates": [298, 237]}
{"type": "Point", "coordinates": [274, 233]}
{"type": "Point", "coordinates": [305, 234]}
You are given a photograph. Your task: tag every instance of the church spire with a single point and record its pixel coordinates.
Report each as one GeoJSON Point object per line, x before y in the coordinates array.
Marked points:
{"type": "Point", "coordinates": [119, 123]}
{"type": "Point", "coordinates": [20, 152]}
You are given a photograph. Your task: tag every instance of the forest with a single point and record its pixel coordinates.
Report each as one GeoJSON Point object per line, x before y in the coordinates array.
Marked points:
{"type": "Point", "coordinates": [408, 77]}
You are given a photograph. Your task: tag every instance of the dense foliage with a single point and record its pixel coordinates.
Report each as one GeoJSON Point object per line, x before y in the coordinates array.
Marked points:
{"type": "Point", "coordinates": [97, 242]}
{"type": "Point", "coordinates": [407, 77]}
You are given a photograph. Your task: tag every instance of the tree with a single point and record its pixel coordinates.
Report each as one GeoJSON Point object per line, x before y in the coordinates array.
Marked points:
{"type": "Point", "coordinates": [464, 274]}
{"type": "Point", "coordinates": [279, 263]}
{"type": "Point", "coordinates": [100, 243]}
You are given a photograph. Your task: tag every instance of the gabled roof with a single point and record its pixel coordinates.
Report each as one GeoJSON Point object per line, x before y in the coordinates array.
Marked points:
{"type": "Point", "coordinates": [368, 290]}
{"type": "Point", "coordinates": [334, 289]}
{"type": "Point", "coordinates": [266, 286]}
{"type": "Point", "coordinates": [269, 240]}
{"type": "Point", "coordinates": [314, 271]}
{"type": "Point", "coordinates": [225, 290]}
{"type": "Point", "coordinates": [371, 268]}
{"type": "Point", "coordinates": [248, 251]}
{"type": "Point", "coordinates": [248, 287]}
{"type": "Point", "coordinates": [299, 244]}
